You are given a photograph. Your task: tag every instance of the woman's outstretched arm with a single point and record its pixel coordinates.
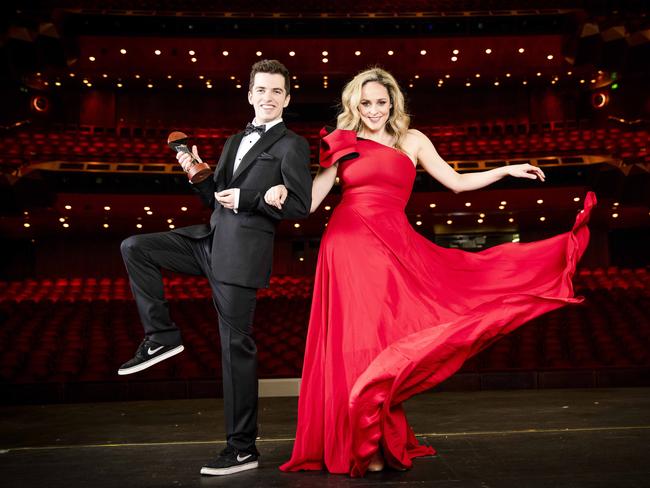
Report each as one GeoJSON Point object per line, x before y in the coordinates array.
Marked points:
{"type": "Point", "coordinates": [437, 167]}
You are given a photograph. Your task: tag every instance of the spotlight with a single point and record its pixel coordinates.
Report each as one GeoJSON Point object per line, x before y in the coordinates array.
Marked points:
{"type": "Point", "coordinates": [599, 99]}
{"type": "Point", "coordinates": [40, 103]}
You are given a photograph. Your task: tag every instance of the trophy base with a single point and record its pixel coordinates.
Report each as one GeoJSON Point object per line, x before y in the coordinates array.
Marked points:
{"type": "Point", "coordinates": [199, 172]}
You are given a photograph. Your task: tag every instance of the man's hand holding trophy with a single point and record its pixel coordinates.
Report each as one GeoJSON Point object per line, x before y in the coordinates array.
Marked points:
{"type": "Point", "coordinates": [195, 168]}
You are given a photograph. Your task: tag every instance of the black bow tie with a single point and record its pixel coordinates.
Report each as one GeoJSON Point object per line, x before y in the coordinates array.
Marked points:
{"type": "Point", "coordinates": [250, 128]}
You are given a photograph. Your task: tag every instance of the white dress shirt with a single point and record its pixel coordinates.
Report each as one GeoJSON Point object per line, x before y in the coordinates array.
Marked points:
{"type": "Point", "coordinates": [244, 146]}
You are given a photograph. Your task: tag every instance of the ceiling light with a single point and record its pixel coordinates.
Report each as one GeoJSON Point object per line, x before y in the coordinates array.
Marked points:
{"type": "Point", "coordinates": [455, 51]}
{"type": "Point", "coordinates": [468, 204]}
{"type": "Point", "coordinates": [449, 222]}
{"type": "Point", "coordinates": [432, 205]}
{"type": "Point", "coordinates": [292, 53]}
{"type": "Point", "coordinates": [357, 53]}
{"type": "Point", "coordinates": [390, 53]}
{"type": "Point", "coordinates": [549, 57]}
{"type": "Point", "coordinates": [92, 58]}
{"type": "Point", "coordinates": [540, 201]}
{"type": "Point", "coordinates": [488, 51]}
{"type": "Point", "coordinates": [296, 225]}
{"type": "Point", "coordinates": [123, 51]}
{"type": "Point", "coordinates": [258, 53]}
{"type": "Point", "coordinates": [324, 53]}
{"type": "Point", "coordinates": [225, 53]}
{"type": "Point", "coordinates": [521, 50]}
{"type": "Point", "coordinates": [454, 59]}
{"type": "Point", "coordinates": [423, 52]}
{"type": "Point", "coordinates": [157, 52]}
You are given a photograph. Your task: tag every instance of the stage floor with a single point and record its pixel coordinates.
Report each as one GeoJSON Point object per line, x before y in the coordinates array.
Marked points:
{"type": "Point", "coordinates": [485, 439]}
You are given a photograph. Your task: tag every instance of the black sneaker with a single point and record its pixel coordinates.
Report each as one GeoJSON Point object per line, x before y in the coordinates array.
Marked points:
{"type": "Point", "coordinates": [148, 354]}
{"type": "Point", "coordinates": [232, 461]}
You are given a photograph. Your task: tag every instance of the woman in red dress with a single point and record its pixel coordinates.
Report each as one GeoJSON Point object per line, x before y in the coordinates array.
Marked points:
{"type": "Point", "coordinates": [392, 313]}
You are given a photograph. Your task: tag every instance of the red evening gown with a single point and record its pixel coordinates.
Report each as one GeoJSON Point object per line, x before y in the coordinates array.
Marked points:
{"type": "Point", "coordinates": [394, 314]}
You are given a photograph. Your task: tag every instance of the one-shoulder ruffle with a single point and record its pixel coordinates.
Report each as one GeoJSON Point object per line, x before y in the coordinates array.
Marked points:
{"type": "Point", "coordinates": [337, 145]}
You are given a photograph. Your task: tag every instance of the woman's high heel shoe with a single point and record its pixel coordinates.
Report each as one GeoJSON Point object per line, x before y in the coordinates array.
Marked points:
{"type": "Point", "coordinates": [376, 462]}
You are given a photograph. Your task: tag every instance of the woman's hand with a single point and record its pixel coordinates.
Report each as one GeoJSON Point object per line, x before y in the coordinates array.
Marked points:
{"type": "Point", "coordinates": [276, 195]}
{"type": "Point", "coordinates": [526, 171]}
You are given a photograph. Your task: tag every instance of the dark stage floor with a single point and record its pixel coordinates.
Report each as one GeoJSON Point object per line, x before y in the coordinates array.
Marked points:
{"type": "Point", "coordinates": [523, 438]}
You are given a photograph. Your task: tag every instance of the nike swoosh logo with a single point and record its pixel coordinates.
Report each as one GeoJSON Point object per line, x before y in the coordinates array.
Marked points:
{"type": "Point", "coordinates": [154, 351]}
{"type": "Point", "coordinates": [240, 459]}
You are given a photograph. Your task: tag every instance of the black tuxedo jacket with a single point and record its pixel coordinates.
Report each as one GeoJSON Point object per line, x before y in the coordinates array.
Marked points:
{"type": "Point", "coordinates": [242, 242]}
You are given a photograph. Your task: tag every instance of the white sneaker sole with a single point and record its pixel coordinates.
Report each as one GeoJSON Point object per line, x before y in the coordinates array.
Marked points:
{"type": "Point", "coordinates": [232, 470]}
{"type": "Point", "coordinates": [151, 362]}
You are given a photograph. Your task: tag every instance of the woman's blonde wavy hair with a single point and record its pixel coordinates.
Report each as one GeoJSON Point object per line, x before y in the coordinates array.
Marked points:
{"type": "Point", "coordinates": [398, 120]}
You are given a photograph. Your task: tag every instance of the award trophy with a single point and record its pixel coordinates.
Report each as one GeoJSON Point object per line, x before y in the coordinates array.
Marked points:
{"type": "Point", "coordinates": [198, 171]}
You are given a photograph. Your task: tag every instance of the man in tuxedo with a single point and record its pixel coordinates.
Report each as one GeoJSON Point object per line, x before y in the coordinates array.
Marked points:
{"type": "Point", "coordinates": [234, 252]}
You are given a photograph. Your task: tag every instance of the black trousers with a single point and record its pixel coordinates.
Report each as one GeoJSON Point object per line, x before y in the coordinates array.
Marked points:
{"type": "Point", "coordinates": [144, 255]}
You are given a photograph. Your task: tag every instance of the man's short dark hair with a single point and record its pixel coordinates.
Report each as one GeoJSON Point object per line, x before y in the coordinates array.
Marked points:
{"type": "Point", "coordinates": [271, 66]}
